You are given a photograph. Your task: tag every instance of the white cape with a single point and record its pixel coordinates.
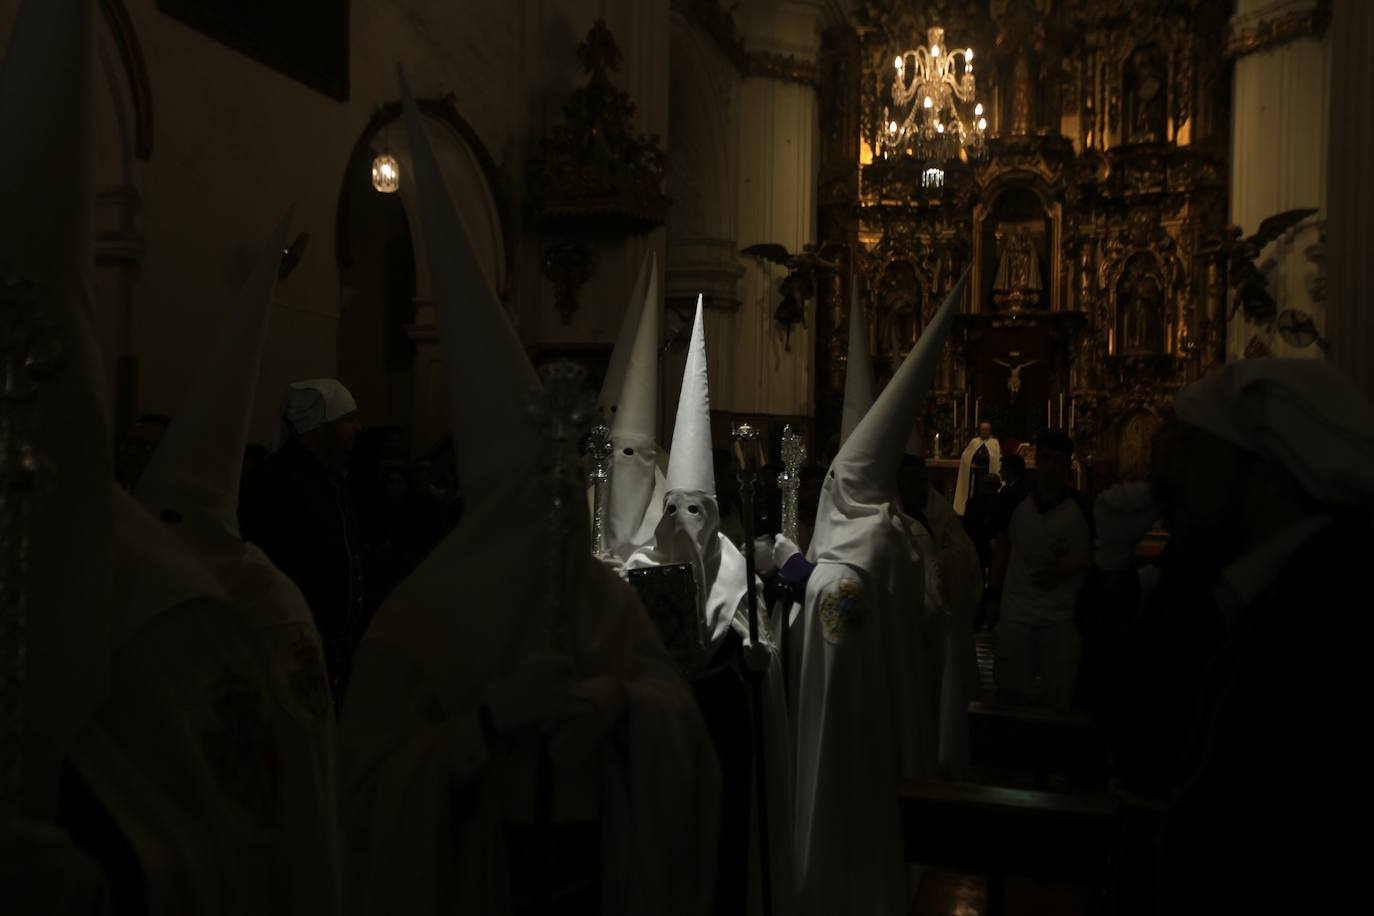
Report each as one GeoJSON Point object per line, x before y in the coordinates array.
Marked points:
{"type": "Point", "coordinates": [961, 486]}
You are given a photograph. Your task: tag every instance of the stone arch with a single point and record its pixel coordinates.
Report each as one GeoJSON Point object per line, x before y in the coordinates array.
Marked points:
{"type": "Point", "coordinates": [388, 345]}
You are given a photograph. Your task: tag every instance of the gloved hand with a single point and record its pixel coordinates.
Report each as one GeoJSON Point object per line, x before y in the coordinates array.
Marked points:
{"type": "Point", "coordinates": [1123, 514]}
{"type": "Point", "coordinates": [576, 739]}
{"type": "Point", "coordinates": [763, 556]}
{"type": "Point", "coordinates": [540, 693]}
{"type": "Point", "coordinates": [783, 550]}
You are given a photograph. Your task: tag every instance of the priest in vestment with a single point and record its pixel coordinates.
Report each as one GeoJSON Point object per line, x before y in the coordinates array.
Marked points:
{"type": "Point", "coordinates": [981, 457]}
{"type": "Point", "coordinates": [493, 765]}
{"type": "Point", "coordinates": [689, 532]}
{"type": "Point", "coordinates": [863, 722]}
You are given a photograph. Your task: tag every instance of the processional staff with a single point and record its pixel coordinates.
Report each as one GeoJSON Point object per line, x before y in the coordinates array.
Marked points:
{"type": "Point", "coordinates": [27, 353]}
{"type": "Point", "coordinates": [599, 450]}
{"type": "Point", "coordinates": [562, 412]}
{"type": "Point", "coordinates": [789, 483]}
{"type": "Point", "coordinates": [749, 456]}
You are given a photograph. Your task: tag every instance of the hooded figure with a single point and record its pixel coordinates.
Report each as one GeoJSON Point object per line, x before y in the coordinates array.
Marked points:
{"type": "Point", "coordinates": [864, 719]}
{"type": "Point", "coordinates": [689, 532]}
{"type": "Point", "coordinates": [629, 406]}
{"type": "Point", "coordinates": [298, 508]}
{"type": "Point", "coordinates": [141, 675]}
{"type": "Point", "coordinates": [192, 484]}
{"type": "Point", "coordinates": [456, 679]}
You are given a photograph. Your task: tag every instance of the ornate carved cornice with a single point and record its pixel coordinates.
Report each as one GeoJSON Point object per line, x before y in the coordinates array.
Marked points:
{"type": "Point", "coordinates": [718, 22]}
{"type": "Point", "coordinates": [1250, 37]}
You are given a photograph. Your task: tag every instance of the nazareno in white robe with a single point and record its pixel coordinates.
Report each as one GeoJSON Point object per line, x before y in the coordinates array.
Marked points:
{"type": "Point", "coordinates": [683, 536]}
{"type": "Point", "coordinates": [187, 755]}
{"type": "Point", "coordinates": [863, 710]}
{"type": "Point", "coordinates": [413, 749]}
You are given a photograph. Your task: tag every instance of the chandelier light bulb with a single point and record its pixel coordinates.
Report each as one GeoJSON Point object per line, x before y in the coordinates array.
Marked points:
{"type": "Point", "coordinates": [978, 109]}
{"type": "Point", "coordinates": [934, 50]}
{"type": "Point", "coordinates": [982, 123]}
{"type": "Point", "coordinates": [928, 103]}
{"type": "Point", "coordinates": [968, 55]}
{"type": "Point", "coordinates": [892, 127]}
{"type": "Point", "coordinates": [939, 128]}
{"type": "Point", "coordinates": [899, 63]}
{"type": "Point", "coordinates": [386, 174]}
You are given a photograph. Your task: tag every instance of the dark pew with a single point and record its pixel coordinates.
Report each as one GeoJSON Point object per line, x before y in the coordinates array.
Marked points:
{"type": "Point", "coordinates": [1036, 743]}
{"type": "Point", "coordinates": [1000, 832]}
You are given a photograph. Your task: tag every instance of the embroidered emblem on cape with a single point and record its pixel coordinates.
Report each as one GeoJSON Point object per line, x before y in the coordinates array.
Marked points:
{"type": "Point", "coordinates": [309, 681]}
{"type": "Point", "coordinates": [842, 611]}
{"type": "Point", "coordinates": [239, 748]}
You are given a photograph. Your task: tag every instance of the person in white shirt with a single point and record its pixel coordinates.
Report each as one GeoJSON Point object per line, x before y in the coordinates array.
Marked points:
{"type": "Point", "coordinates": [1041, 561]}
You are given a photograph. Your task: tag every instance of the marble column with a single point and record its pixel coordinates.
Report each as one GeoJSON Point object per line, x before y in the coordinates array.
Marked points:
{"type": "Point", "coordinates": [1350, 224]}
{"type": "Point", "coordinates": [1280, 111]}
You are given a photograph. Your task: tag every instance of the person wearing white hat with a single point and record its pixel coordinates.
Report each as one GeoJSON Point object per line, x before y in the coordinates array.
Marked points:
{"type": "Point", "coordinates": [461, 698]}
{"type": "Point", "coordinates": [298, 508]}
{"type": "Point", "coordinates": [629, 406]}
{"type": "Point", "coordinates": [865, 718]}
{"type": "Point", "coordinates": [1239, 688]}
{"type": "Point", "coordinates": [148, 735]}
{"type": "Point", "coordinates": [192, 485]}
{"type": "Point", "coordinates": [689, 532]}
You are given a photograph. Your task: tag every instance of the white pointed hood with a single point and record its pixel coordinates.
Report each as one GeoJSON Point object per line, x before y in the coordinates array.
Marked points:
{"type": "Point", "coordinates": [858, 374]}
{"type": "Point", "coordinates": [689, 529]}
{"type": "Point", "coordinates": [635, 501]}
{"type": "Point", "coordinates": [45, 202]}
{"type": "Point", "coordinates": [193, 477]}
{"type": "Point", "coordinates": [689, 464]}
{"type": "Point", "coordinates": [863, 476]}
{"type": "Point", "coordinates": [487, 375]}
{"type": "Point", "coordinates": [636, 310]}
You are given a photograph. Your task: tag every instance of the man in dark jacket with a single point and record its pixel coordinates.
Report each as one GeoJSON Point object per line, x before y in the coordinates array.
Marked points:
{"type": "Point", "coordinates": [297, 507]}
{"type": "Point", "coordinates": [1241, 686]}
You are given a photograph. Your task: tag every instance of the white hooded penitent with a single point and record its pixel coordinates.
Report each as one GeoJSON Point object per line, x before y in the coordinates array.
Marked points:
{"type": "Point", "coordinates": [475, 611]}
{"type": "Point", "coordinates": [858, 373]}
{"type": "Point", "coordinates": [636, 484]}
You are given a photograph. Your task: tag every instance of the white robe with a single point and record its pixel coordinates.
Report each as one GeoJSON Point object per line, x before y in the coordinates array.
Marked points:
{"type": "Point", "coordinates": [413, 747]}
{"type": "Point", "coordinates": [863, 707]}
{"type": "Point", "coordinates": [187, 755]}
{"type": "Point", "coordinates": [963, 483]}
{"type": "Point", "coordinates": [683, 536]}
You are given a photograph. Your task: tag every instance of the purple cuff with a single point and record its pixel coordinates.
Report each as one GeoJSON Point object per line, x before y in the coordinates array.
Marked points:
{"type": "Point", "coordinates": [794, 574]}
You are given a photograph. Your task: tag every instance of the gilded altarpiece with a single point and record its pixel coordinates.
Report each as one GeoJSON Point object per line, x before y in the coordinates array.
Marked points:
{"type": "Point", "coordinates": [1091, 227]}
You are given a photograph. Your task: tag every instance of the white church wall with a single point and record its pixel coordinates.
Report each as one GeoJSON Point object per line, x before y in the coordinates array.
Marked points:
{"type": "Point", "coordinates": [235, 142]}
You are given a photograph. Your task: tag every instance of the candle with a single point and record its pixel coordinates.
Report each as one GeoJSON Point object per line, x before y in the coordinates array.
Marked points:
{"type": "Point", "coordinates": [977, 403]}
{"type": "Point", "coordinates": [965, 406]}
{"type": "Point", "coordinates": [1073, 413]}
{"type": "Point", "coordinates": [1061, 409]}
{"type": "Point", "coordinates": [937, 446]}
{"type": "Point", "coordinates": [1049, 413]}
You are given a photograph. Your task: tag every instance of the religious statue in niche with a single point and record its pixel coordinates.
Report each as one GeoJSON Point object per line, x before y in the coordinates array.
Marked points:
{"type": "Point", "coordinates": [1017, 284]}
{"type": "Point", "coordinates": [899, 303]}
{"type": "Point", "coordinates": [1133, 449]}
{"type": "Point", "coordinates": [1146, 80]}
{"type": "Point", "coordinates": [1140, 308]}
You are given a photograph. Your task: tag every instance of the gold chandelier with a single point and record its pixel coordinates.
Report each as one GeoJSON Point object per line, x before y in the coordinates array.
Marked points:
{"type": "Point", "coordinates": [934, 116]}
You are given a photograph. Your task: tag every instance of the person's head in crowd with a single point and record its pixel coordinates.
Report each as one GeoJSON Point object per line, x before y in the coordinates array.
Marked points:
{"type": "Point", "coordinates": [136, 448]}
{"type": "Point", "coordinates": [985, 430]}
{"type": "Point", "coordinates": [1053, 463]}
{"type": "Point", "coordinates": [1013, 469]}
{"type": "Point", "coordinates": [322, 415]}
{"type": "Point", "coordinates": [913, 483]}
{"type": "Point", "coordinates": [1259, 444]}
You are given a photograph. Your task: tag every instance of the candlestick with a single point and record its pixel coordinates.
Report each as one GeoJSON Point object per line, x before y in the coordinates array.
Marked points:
{"type": "Point", "coordinates": [977, 404]}
{"type": "Point", "coordinates": [1073, 408]}
{"type": "Point", "coordinates": [1049, 415]}
{"type": "Point", "coordinates": [1061, 410]}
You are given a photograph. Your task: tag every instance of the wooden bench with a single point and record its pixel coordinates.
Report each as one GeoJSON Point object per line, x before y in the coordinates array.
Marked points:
{"type": "Point", "coordinates": [998, 832]}
{"type": "Point", "coordinates": [1037, 743]}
